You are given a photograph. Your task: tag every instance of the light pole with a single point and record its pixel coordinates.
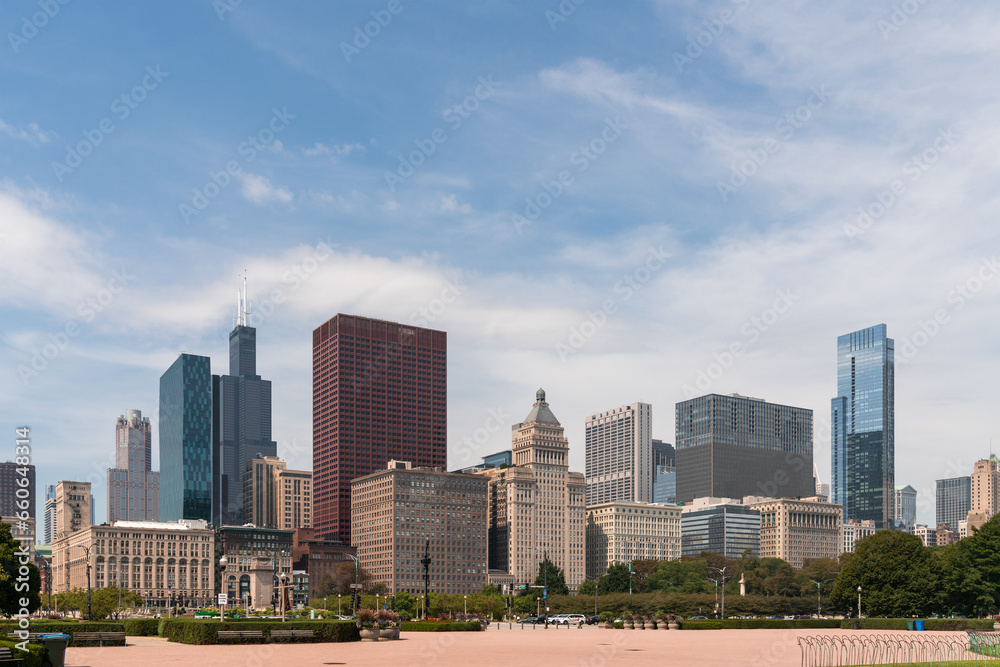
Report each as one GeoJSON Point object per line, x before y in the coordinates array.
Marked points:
{"type": "Point", "coordinates": [356, 595]}
{"type": "Point", "coordinates": [223, 562]}
{"type": "Point", "coordinates": [282, 589]}
{"type": "Point", "coordinates": [338, 605]}
{"type": "Point", "coordinates": [87, 550]}
{"type": "Point", "coordinates": [597, 582]}
{"type": "Point", "coordinates": [859, 602]}
{"type": "Point", "coordinates": [722, 577]}
{"type": "Point", "coordinates": [819, 583]}
{"type": "Point", "coordinates": [466, 604]}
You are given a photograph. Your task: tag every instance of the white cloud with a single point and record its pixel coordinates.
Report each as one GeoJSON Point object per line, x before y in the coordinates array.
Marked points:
{"type": "Point", "coordinates": [450, 204]}
{"type": "Point", "coordinates": [258, 190]}
{"type": "Point", "coordinates": [32, 134]}
{"type": "Point", "coordinates": [322, 149]}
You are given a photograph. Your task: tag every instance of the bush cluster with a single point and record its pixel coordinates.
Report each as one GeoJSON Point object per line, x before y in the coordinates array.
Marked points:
{"type": "Point", "coordinates": [190, 631]}
{"type": "Point", "coordinates": [68, 628]}
{"type": "Point", "coordinates": [959, 624]}
{"type": "Point", "coordinates": [32, 658]}
{"type": "Point", "coordinates": [441, 626]}
{"type": "Point", "coordinates": [141, 627]}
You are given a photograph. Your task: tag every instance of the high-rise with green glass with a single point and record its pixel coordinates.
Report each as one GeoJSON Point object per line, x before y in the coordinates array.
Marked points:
{"type": "Point", "coordinates": [186, 439]}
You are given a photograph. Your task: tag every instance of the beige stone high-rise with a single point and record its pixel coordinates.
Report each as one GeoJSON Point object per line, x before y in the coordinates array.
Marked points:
{"type": "Point", "coordinates": [985, 487]}
{"type": "Point", "coordinates": [73, 509]}
{"type": "Point", "coordinates": [795, 530]}
{"type": "Point", "coordinates": [276, 497]}
{"type": "Point", "coordinates": [537, 507]}
{"type": "Point", "coordinates": [621, 532]}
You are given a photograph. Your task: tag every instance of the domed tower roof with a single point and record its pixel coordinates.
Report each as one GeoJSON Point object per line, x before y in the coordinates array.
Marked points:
{"type": "Point", "coordinates": [540, 412]}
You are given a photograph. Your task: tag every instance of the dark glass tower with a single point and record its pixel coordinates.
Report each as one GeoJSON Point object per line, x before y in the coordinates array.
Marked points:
{"type": "Point", "coordinates": [186, 439]}
{"type": "Point", "coordinates": [242, 420]}
{"type": "Point", "coordinates": [862, 418]}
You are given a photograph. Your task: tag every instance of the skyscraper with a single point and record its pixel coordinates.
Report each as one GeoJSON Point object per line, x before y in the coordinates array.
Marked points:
{"type": "Point", "coordinates": [904, 512]}
{"type": "Point", "coordinates": [242, 412]}
{"type": "Point", "coordinates": [984, 492]}
{"type": "Point", "coordinates": [10, 476]}
{"type": "Point", "coordinates": [536, 507]}
{"type": "Point", "coordinates": [619, 454]}
{"type": "Point", "coordinates": [862, 423]}
{"type": "Point", "coordinates": [50, 514]}
{"type": "Point", "coordinates": [954, 500]}
{"type": "Point", "coordinates": [664, 454]}
{"type": "Point", "coordinates": [735, 446]}
{"type": "Point", "coordinates": [73, 508]}
{"type": "Point", "coordinates": [133, 489]}
{"type": "Point", "coordinates": [186, 440]}
{"type": "Point", "coordinates": [379, 393]}
{"type": "Point", "coordinates": [276, 497]}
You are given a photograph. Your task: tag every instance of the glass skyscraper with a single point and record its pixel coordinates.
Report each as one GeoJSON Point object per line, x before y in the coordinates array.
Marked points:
{"type": "Point", "coordinates": [862, 427]}
{"type": "Point", "coordinates": [186, 439]}
{"type": "Point", "coordinates": [725, 528]}
{"type": "Point", "coordinates": [954, 500]}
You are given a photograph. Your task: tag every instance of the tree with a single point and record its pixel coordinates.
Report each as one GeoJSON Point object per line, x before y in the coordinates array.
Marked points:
{"type": "Point", "coordinates": [971, 572]}
{"type": "Point", "coordinates": [586, 587]}
{"type": "Point", "coordinates": [616, 580]}
{"type": "Point", "coordinates": [19, 577]}
{"type": "Point", "coordinates": [552, 577]}
{"type": "Point", "coordinates": [896, 574]}
{"type": "Point", "coordinates": [490, 589]}
{"type": "Point", "coordinates": [342, 578]}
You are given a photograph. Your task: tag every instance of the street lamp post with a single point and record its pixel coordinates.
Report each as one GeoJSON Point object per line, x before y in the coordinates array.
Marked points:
{"type": "Point", "coordinates": [466, 604]}
{"type": "Point", "coordinates": [338, 605]}
{"type": "Point", "coordinates": [86, 548]}
{"type": "Point", "coordinates": [282, 589]}
{"type": "Point", "coordinates": [859, 602]}
{"type": "Point", "coordinates": [223, 562]}
{"type": "Point", "coordinates": [722, 578]}
{"type": "Point", "coordinates": [819, 583]}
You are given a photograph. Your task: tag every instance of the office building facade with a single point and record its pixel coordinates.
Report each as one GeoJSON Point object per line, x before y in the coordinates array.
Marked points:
{"type": "Point", "coordinates": [862, 419]}
{"type": "Point", "coordinates": [721, 525]}
{"type": "Point", "coordinates": [402, 512]}
{"type": "Point", "coordinates": [537, 508]}
{"type": "Point", "coordinates": [318, 558]}
{"type": "Point", "coordinates": [984, 492]}
{"type": "Point", "coordinates": [133, 487]}
{"type": "Point", "coordinates": [619, 454]}
{"type": "Point", "coordinates": [276, 497]}
{"type": "Point", "coordinates": [621, 532]}
{"type": "Point", "coordinates": [665, 485]}
{"type": "Point", "coordinates": [50, 514]}
{"type": "Point", "coordinates": [798, 530]}
{"type": "Point", "coordinates": [168, 564]}
{"type": "Point", "coordinates": [242, 419]}
{"type": "Point", "coordinates": [953, 501]}
{"type": "Point", "coordinates": [735, 446]}
{"type": "Point", "coordinates": [663, 454]}
{"type": "Point", "coordinates": [904, 513]}
{"type": "Point", "coordinates": [12, 493]}
{"type": "Point", "coordinates": [186, 440]}
{"type": "Point", "coordinates": [73, 508]}
{"type": "Point", "coordinates": [854, 531]}
{"type": "Point", "coordinates": [256, 558]}
{"type": "Point", "coordinates": [379, 394]}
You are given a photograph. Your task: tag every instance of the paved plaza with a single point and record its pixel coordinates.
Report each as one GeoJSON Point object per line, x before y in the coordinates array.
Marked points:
{"type": "Point", "coordinates": [586, 647]}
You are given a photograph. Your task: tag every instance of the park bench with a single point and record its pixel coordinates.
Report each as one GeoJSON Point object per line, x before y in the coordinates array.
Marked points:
{"type": "Point", "coordinates": [241, 634]}
{"type": "Point", "coordinates": [292, 634]}
{"type": "Point", "coordinates": [7, 658]}
{"type": "Point", "coordinates": [99, 637]}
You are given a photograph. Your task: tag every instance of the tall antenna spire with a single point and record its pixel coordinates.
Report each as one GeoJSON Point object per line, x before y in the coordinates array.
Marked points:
{"type": "Point", "coordinates": [244, 307]}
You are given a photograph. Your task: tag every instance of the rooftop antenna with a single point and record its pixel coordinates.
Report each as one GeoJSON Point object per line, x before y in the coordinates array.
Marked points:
{"type": "Point", "coordinates": [244, 307]}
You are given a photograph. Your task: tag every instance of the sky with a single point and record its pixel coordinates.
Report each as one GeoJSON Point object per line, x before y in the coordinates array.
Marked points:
{"type": "Point", "coordinates": [613, 201]}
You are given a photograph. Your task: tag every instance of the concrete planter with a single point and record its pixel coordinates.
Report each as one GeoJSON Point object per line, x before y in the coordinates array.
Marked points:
{"type": "Point", "coordinates": [388, 634]}
{"type": "Point", "coordinates": [650, 625]}
{"type": "Point", "coordinates": [629, 625]}
{"type": "Point", "coordinates": [673, 625]}
{"type": "Point", "coordinates": [370, 634]}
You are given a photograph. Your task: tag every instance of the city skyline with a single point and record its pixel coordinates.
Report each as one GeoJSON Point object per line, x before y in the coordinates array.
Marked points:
{"type": "Point", "coordinates": [619, 196]}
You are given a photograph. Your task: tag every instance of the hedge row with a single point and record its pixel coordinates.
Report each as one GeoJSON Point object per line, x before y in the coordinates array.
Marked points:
{"type": "Point", "coordinates": [441, 626]}
{"type": "Point", "coordinates": [929, 623]}
{"type": "Point", "coordinates": [32, 657]}
{"type": "Point", "coordinates": [701, 625]}
{"type": "Point", "coordinates": [68, 628]}
{"type": "Point", "coordinates": [142, 627]}
{"type": "Point", "coordinates": [190, 631]}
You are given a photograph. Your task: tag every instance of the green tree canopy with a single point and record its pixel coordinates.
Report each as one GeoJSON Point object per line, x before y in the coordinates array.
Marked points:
{"type": "Point", "coordinates": [896, 574]}
{"type": "Point", "coordinates": [16, 583]}
{"type": "Point", "coordinates": [616, 580]}
{"type": "Point", "coordinates": [586, 587]}
{"type": "Point", "coordinates": [971, 572]}
{"type": "Point", "coordinates": [551, 576]}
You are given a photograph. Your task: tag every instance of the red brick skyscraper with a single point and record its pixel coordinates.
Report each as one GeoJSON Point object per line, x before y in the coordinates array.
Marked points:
{"type": "Point", "coordinates": [379, 393]}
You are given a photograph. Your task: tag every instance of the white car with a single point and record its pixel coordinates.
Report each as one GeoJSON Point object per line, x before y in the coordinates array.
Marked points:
{"type": "Point", "coordinates": [572, 619]}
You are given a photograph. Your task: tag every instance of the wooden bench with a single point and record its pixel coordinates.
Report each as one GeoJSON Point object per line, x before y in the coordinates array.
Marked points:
{"type": "Point", "coordinates": [292, 634]}
{"type": "Point", "coordinates": [7, 658]}
{"type": "Point", "coordinates": [99, 637]}
{"type": "Point", "coordinates": [241, 634]}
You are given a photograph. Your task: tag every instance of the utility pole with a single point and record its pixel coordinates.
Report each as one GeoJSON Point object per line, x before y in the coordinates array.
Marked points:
{"type": "Point", "coordinates": [722, 578]}
{"type": "Point", "coordinates": [90, 616]}
{"type": "Point", "coordinates": [426, 562]}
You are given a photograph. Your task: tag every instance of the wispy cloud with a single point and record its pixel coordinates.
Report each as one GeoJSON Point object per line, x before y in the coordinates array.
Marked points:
{"type": "Point", "coordinates": [31, 133]}
{"type": "Point", "coordinates": [259, 190]}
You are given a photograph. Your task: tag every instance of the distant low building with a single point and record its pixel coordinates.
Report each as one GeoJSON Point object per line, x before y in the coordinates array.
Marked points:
{"type": "Point", "coordinates": [721, 525]}
{"type": "Point", "coordinates": [620, 532]}
{"type": "Point", "coordinates": [853, 531]}
{"type": "Point", "coordinates": [799, 529]}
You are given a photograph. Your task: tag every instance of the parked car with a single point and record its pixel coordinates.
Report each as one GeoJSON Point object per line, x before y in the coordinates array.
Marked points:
{"type": "Point", "coordinates": [591, 620]}
{"type": "Point", "coordinates": [533, 620]}
{"type": "Point", "coordinates": [571, 619]}
{"type": "Point", "coordinates": [698, 618]}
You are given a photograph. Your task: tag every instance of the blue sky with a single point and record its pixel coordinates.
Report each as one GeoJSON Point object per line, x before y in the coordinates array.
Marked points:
{"type": "Point", "coordinates": [602, 206]}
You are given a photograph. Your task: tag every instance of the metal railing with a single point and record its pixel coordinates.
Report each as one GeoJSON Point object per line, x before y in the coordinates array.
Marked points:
{"type": "Point", "coordinates": [978, 648]}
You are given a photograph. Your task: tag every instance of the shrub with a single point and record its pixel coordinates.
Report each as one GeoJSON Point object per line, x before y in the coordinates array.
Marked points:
{"type": "Point", "coordinates": [618, 625]}
{"type": "Point", "coordinates": [32, 657]}
{"type": "Point", "coordinates": [606, 616]}
{"type": "Point", "coordinates": [68, 628]}
{"type": "Point", "coordinates": [701, 625]}
{"type": "Point", "coordinates": [190, 631]}
{"type": "Point", "coordinates": [141, 627]}
{"type": "Point", "coordinates": [442, 626]}
{"type": "Point", "coordinates": [365, 618]}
